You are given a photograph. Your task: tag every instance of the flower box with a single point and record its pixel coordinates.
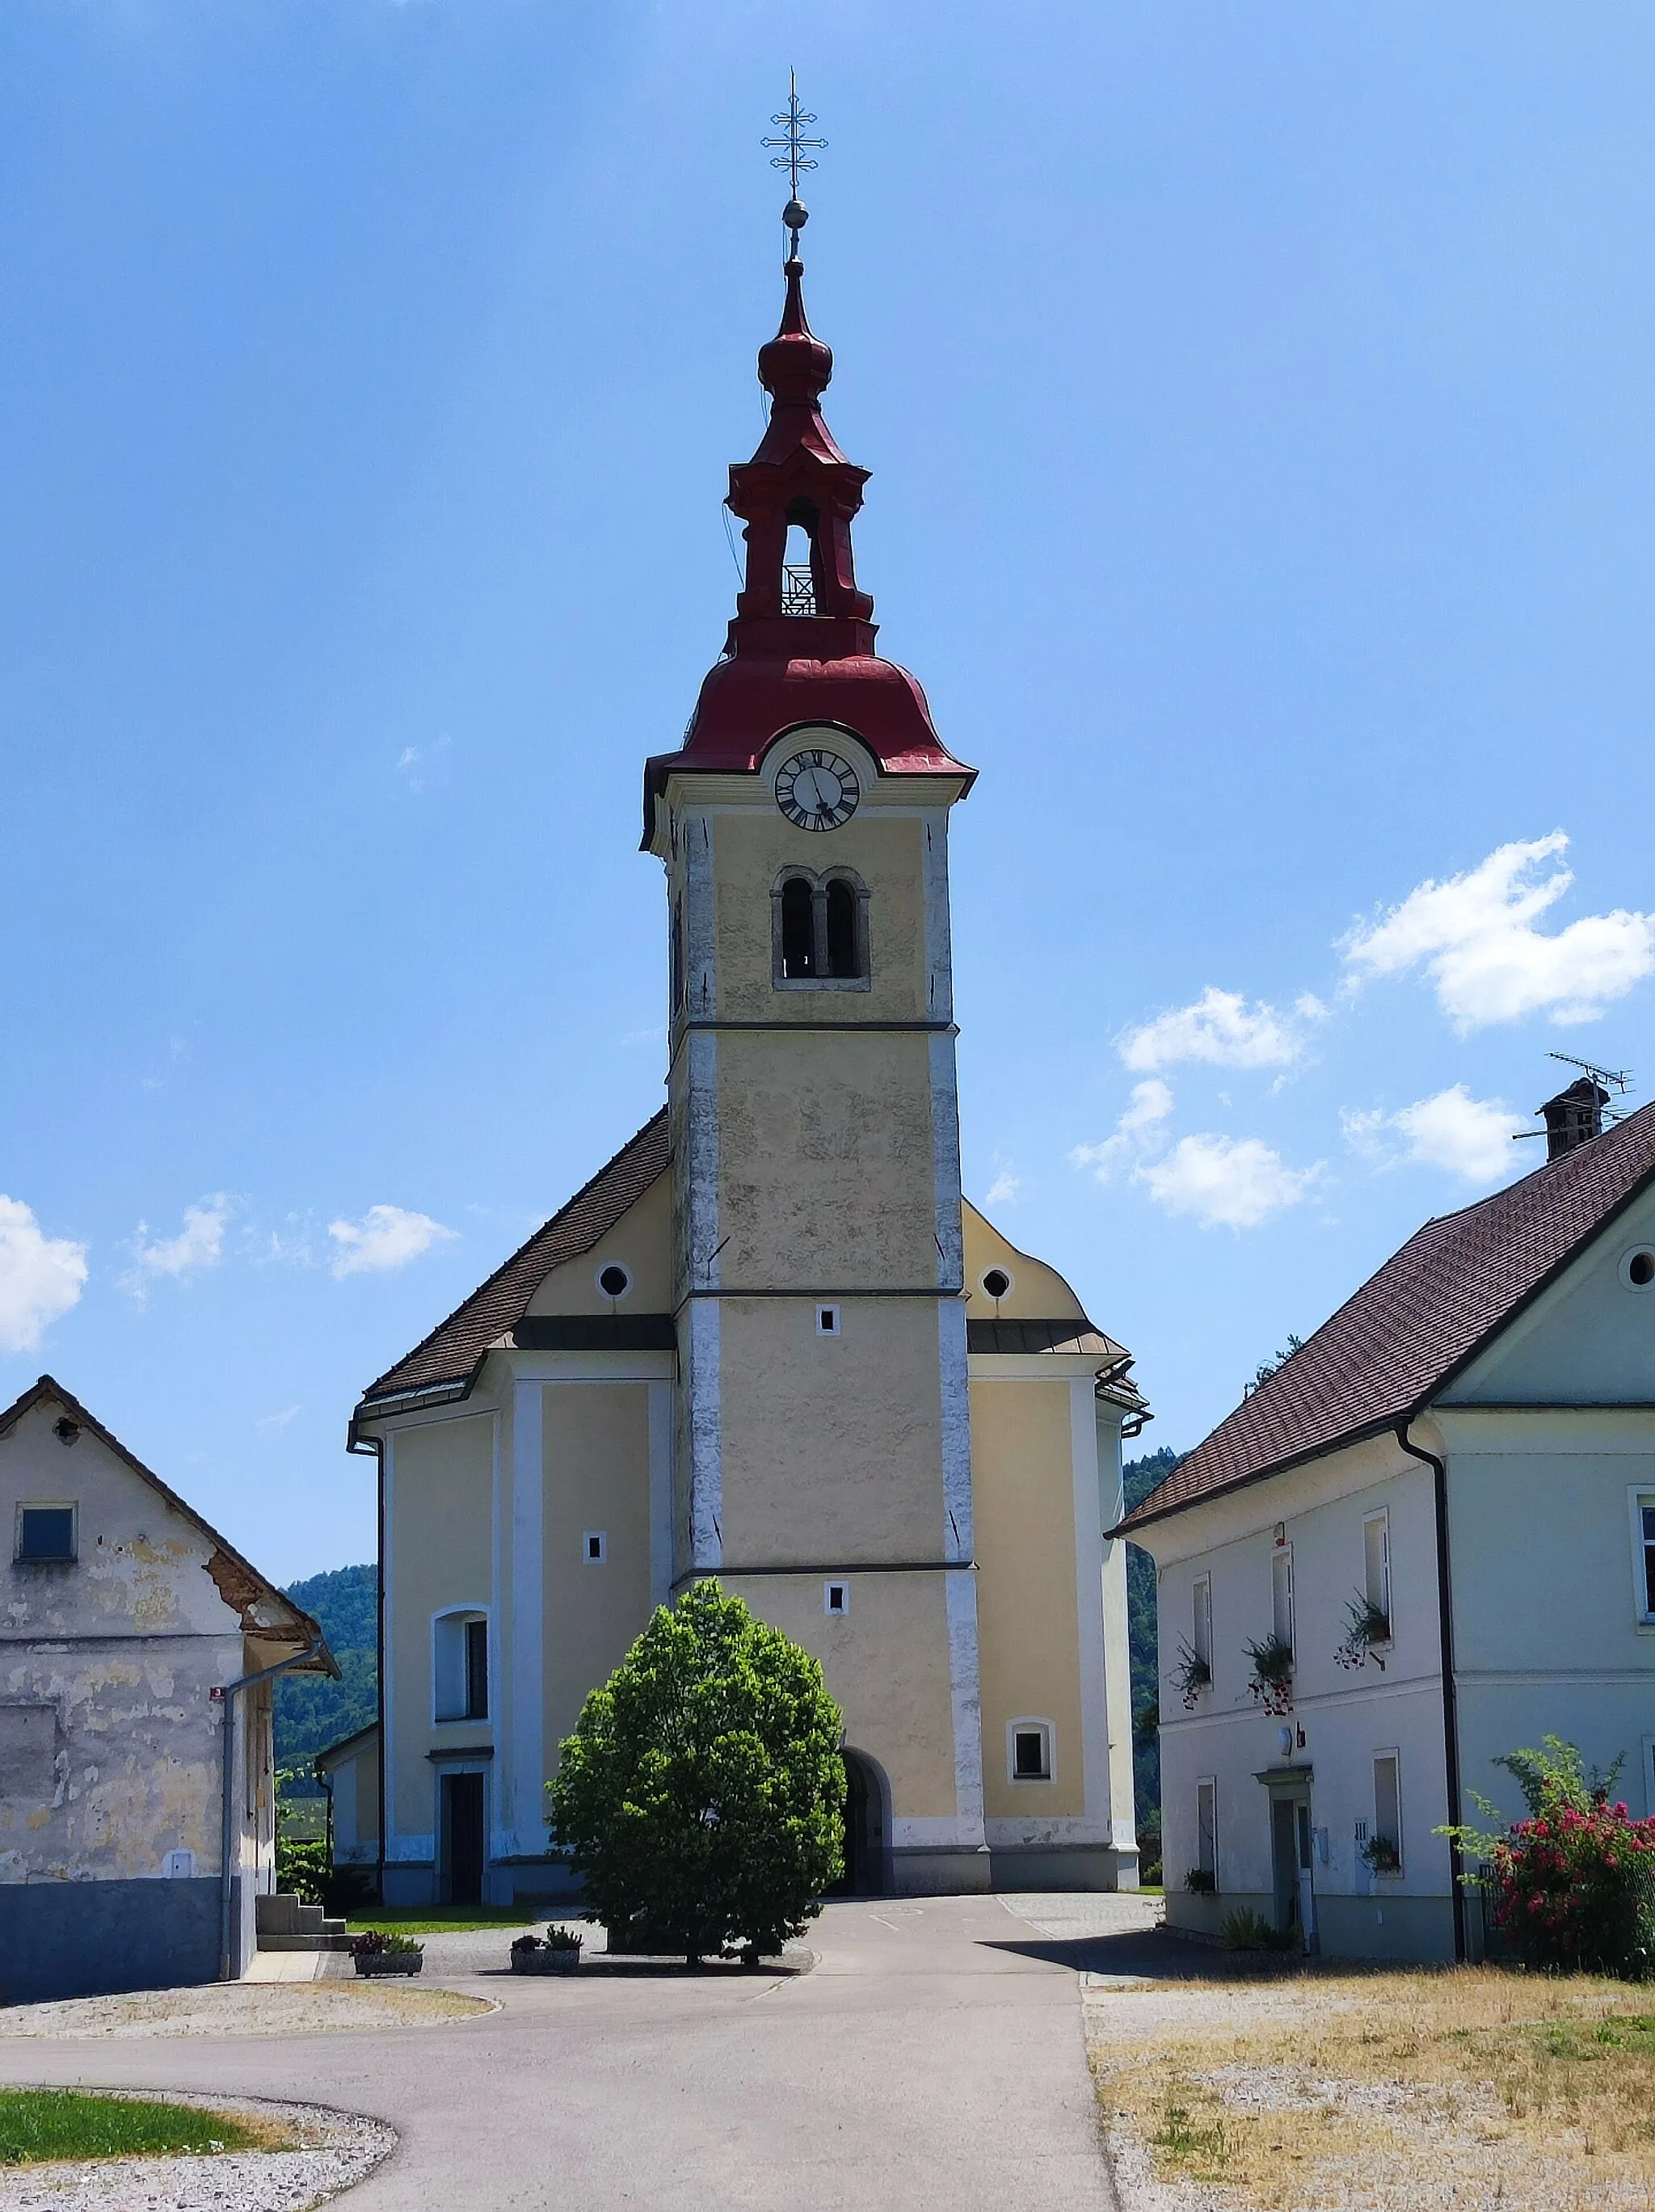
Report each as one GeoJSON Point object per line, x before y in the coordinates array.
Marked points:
{"type": "Point", "coordinates": [544, 1961]}
{"type": "Point", "coordinates": [389, 1962]}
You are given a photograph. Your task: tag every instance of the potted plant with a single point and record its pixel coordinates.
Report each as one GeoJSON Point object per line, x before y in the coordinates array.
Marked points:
{"type": "Point", "coordinates": [557, 1952]}
{"type": "Point", "coordinates": [1381, 1855]}
{"type": "Point", "coordinates": [1192, 1675]}
{"type": "Point", "coordinates": [379, 1951]}
{"type": "Point", "coordinates": [1271, 1681]}
{"type": "Point", "coordinates": [1368, 1628]}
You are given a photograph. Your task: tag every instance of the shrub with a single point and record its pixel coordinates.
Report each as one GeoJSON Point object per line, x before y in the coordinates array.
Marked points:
{"type": "Point", "coordinates": [555, 1939]}
{"type": "Point", "coordinates": [702, 1792]}
{"type": "Point", "coordinates": [1573, 1885]}
{"type": "Point", "coordinates": [1244, 1929]}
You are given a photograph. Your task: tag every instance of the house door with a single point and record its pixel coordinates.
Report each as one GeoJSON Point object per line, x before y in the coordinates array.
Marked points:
{"type": "Point", "coordinates": [1292, 1865]}
{"type": "Point", "coordinates": [461, 1838]}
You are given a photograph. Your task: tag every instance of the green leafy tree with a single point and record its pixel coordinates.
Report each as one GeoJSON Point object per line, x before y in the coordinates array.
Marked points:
{"type": "Point", "coordinates": [701, 1795]}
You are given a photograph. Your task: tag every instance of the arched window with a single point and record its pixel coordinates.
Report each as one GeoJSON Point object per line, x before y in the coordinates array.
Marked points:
{"type": "Point", "coordinates": [798, 928]}
{"type": "Point", "coordinates": [821, 931]}
{"type": "Point", "coordinates": [840, 929]}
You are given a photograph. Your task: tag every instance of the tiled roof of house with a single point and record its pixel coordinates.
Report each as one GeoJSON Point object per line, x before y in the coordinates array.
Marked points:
{"type": "Point", "coordinates": [266, 1612]}
{"type": "Point", "coordinates": [1432, 1307]}
{"type": "Point", "coordinates": [453, 1352]}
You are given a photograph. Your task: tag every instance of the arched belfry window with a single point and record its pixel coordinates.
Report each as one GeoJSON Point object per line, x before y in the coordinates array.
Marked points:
{"type": "Point", "coordinates": [820, 931]}
{"type": "Point", "coordinates": [799, 563]}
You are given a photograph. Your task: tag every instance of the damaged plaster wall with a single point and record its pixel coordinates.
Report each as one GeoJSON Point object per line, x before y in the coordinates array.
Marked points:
{"type": "Point", "coordinates": [110, 1742]}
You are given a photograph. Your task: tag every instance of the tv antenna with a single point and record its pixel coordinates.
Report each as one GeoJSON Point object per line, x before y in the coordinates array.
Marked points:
{"type": "Point", "coordinates": [1606, 1079]}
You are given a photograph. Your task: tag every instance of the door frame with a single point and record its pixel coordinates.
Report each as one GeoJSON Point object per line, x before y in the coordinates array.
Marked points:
{"type": "Point", "coordinates": [444, 1764]}
{"type": "Point", "coordinates": [1287, 1792]}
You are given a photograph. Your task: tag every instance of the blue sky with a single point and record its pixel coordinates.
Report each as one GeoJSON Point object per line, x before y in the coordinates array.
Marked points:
{"type": "Point", "coordinates": [1259, 404]}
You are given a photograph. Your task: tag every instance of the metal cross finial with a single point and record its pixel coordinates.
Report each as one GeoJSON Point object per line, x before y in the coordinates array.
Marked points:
{"type": "Point", "coordinates": [795, 157]}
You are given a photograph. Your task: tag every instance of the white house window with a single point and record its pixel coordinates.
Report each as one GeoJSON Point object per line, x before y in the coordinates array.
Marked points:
{"type": "Point", "coordinates": [45, 1535]}
{"type": "Point", "coordinates": [614, 1280]}
{"type": "Point", "coordinates": [1206, 1826]}
{"type": "Point", "coordinates": [460, 1666]}
{"type": "Point", "coordinates": [1385, 1846]}
{"type": "Point", "coordinates": [1643, 1551]}
{"type": "Point", "coordinates": [1200, 1628]}
{"type": "Point", "coordinates": [1028, 1744]}
{"type": "Point", "coordinates": [1281, 1594]}
{"type": "Point", "coordinates": [1376, 1563]}
{"type": "Point", "coordinates": [1638, 1269]}
{"type": "Point", "coordinates": [594, 1547]}
{"type": "Point", "coordinates": [836, 1598]}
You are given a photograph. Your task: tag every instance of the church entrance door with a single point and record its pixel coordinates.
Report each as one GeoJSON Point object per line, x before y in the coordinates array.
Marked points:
{"type": "Point", "coordinates": [461, 1838]}
{"type": "Point", "coordinates": [864, 1858]}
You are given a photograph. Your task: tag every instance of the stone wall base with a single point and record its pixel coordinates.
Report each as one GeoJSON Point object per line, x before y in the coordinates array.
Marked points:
{"type": "Point", "coordinates": [85, 1939]}
{"type": "Point", "coordinates": [1062, 1866]}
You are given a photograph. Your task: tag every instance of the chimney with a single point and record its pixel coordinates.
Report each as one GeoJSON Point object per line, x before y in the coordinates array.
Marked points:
{"type": "Point", "coordinates": [1575, 1117]}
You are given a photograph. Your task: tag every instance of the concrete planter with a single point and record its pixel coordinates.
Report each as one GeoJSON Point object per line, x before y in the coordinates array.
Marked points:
{"type": "Point", "coordinates": [390, 1962]}
{"type": "Point", "coordinates": [559, 1961]}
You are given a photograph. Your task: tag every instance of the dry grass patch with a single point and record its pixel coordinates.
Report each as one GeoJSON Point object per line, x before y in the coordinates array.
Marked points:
{"type": "Point", "coordinates": [1460, 2087]}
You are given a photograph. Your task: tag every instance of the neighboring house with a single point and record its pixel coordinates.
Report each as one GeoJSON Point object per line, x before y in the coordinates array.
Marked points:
{"type": "Point", "coordinates": [125, 1620]}
{"type": "Point", "coordinates": [769, 1342]}
{"type": "Point", "coordinates": [1444, 1506]}
{"type": "Point", "coordinates": [349, 1771]}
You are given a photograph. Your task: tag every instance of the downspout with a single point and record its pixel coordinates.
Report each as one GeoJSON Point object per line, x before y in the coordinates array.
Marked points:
{"type": "Point", "coordinates": [227, 1697]}
{"type": "Point", "coordinates": [1450, 1699]}
{"type": "Point", "coordinates": [362, 1446]}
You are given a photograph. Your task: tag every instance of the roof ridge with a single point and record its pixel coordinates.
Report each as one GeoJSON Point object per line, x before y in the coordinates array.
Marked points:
{"type": "Point", "coordinates": [513, 1259]}
{"type": "Point", "coordinates": [48, 1386]}
{"type": "Point", "coordinates": [1435, 1305]}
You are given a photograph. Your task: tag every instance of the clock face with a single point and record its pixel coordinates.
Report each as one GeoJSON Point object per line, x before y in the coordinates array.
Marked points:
{"type": "Point", "coordinates": [817, 790]}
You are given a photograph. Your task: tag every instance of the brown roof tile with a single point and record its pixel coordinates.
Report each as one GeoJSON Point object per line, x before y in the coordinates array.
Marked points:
{"type": "Point", "coordinates": [1433, 1305]}
{"type": "Point", "coordinates": [453, 1352]}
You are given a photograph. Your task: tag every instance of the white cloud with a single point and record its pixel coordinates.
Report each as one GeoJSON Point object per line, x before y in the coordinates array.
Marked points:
{"type": "Point", "coordinates": [386, 1236]}
{"type": "Point", "coordinates": [40, 1277]}
{"type": "Point", "coordinates": [423, 768]}
{"type": "Point", "coordinates": [273, 1424]}
{"type": "Point", "coordinates": [1138, 1130]}
{"type": "Point", "coordinates": [1004, 1188]}
{"type": "Point", "coordinates": [1469, 1136]}
{"type": "Point", "coordinates": [1476, 938]}
{"type": "Point", "coordinates": [1220, 1027]}
{"type": "Point", "coordinates": [198, 1244]}
{"type": "Point", "coordinates": [1227, 1182]}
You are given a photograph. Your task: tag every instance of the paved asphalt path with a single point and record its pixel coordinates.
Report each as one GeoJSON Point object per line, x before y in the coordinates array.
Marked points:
{"type": "Point", "coordinates": [932, 2058]}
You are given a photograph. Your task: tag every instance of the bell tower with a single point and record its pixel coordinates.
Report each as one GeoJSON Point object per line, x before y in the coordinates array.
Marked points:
{"type": "Point", "coordinates": [822, 1461]}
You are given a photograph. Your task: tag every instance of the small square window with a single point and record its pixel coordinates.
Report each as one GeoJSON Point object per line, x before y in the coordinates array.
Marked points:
{"type": "Point", "coordinates": [46, 1533]}
{"type": "Point", "coordinates": [594, 1547]}
{"type": "Point", "coordinates": [836, 1598]}
{"type": "Point", "coordinates": [1031, 1751]}
{"type": "Point", "coordinates": [827, 1322]}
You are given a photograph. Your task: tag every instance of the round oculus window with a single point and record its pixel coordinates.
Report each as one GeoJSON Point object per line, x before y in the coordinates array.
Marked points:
{"type": "Point", "coordinates": [997, 1283]}
{"type": "Point", "coordinates": [1637, 1268]}
{"type": "Point", "coordinates": [614, 1280]}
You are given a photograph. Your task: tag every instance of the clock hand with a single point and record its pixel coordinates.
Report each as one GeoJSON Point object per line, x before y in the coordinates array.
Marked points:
{"type": "Point", "coordinates": [816, 805]}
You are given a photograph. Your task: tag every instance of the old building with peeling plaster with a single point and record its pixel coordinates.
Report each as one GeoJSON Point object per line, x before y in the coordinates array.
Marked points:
{"type": "Point", "coordinates": [124, 1620]}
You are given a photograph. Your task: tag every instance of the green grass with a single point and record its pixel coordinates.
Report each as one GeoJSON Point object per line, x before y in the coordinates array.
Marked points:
{"type": "Point", "coordinates": [36, 2124]}
{"type": "Point", "coordinates": [433, 1919]}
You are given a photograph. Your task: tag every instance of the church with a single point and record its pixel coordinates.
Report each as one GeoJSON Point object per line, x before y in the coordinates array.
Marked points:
{"type": "Point", "coordinates": [770, 1341]}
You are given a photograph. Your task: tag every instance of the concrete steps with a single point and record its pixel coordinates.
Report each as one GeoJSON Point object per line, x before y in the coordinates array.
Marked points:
{"type": "Point", "coordinates": [287, 1924]}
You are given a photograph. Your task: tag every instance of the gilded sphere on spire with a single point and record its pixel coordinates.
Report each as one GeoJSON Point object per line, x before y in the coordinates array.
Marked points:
{"type": "Point", "coordinates": [796, 215]}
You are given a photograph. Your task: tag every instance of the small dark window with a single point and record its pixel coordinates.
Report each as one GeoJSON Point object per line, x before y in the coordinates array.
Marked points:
{"type": "Point", "coordinates": [1640, 1269]}
{"type": "Point", "coordinates": [996, 1282]}
{"type": "Point", "coordinates": [798, 928]}
{"type": "Point", "coordinates": [593, 1542]}
{"type": "Point", "coordinates": [476, 1670]}
{"type": "Point", "coordinates": [46, 1532]}
{"type": "Point", "coordinates": [615, 1282]}
{"type": "Point", "coordinates": [66, 1431]}
{"type": "Point", "coordinates": [677, 954]}
{"type": "Point", "coordinates": [1028, 1755]}
{"type": "Point", "coordinates": [841, 930]}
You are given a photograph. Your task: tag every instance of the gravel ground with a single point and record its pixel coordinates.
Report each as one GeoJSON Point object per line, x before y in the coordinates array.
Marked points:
{"type": "Point", "coordinates": [334, 2151]}
{"type": "Point", "coordinates": [221, 2008]}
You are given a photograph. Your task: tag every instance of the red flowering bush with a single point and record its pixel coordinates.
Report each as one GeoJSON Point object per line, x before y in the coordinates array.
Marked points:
{"type": "Point", "coordinates": [1573, 1885]}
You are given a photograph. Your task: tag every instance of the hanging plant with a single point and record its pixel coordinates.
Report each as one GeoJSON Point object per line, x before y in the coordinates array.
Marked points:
{"type": "Point", "coordinates": [1368, 1627]}
{"type": "Point", "coordinates": [1272, 1681]}
{"type": "Point", "coordinates": [1192, 1675]}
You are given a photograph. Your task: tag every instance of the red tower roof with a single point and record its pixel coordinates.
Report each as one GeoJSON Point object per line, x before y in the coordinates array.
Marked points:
{"type": "Point", "coordinates": [801, 646]}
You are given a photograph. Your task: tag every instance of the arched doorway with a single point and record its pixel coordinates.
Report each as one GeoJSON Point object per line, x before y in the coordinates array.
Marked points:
{"type": "Point", "coordinates": [864, 1872]}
